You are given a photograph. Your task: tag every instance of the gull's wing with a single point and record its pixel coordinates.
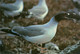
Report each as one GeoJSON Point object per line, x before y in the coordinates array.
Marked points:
{"type": "Point", "coordinates": [28, 31]}
{"type": "Point", "coordinates": [37, 10]}
{"type": "Point", "coordinates": [10, 7]}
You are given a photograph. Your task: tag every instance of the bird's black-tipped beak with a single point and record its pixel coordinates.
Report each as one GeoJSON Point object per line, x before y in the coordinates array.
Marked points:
{"type": "Point", "coordinates": [71, 16]}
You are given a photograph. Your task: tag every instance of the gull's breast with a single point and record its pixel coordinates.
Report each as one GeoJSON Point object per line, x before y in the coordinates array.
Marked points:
{"type": "Point", "coordinates": [20, 8]}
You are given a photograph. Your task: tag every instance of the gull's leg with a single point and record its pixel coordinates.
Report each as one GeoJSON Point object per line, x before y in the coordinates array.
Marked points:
{"type": "Point", "coordinates": [42, 49]}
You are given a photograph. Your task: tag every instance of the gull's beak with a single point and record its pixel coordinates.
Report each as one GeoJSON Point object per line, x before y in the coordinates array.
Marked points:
{"type": "Point", "coordinates": [71, 16]}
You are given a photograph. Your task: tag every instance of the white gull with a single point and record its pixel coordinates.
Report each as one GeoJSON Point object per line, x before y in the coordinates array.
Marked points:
{"type": "Point", "coordinates": [39, 11]}
{"type": "Point", "coordinates": [12, 9]}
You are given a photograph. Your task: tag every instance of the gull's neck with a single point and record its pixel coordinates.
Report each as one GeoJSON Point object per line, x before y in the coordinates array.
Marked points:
{"type": "Point", "coordinates": [52, 22]}
{"type": "Point", "coordinates": [42, 2]}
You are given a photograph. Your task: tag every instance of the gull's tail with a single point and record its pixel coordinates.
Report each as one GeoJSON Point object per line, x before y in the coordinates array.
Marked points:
{"type": "Point", "coordinates": [8, 31]}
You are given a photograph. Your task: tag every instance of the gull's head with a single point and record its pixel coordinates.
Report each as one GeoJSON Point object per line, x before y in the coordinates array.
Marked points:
{"type": "Point", "coordinates": [61, 16]}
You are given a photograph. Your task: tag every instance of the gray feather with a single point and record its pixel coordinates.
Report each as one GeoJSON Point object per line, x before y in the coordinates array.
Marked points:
{"type": "Point", "coordinates": [38, 10]}
{"type": "Point", "coordinates": [10, 7]}
{"type": "Point", "coordinates": [28, 31]}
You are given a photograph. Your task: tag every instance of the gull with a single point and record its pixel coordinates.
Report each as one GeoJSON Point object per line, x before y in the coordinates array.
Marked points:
{"type": "Point", "coordinates": [39, 11]}
{"type": "Point", "coordinates": [12, 9]}
{"type": "Point", "coordinates": [39, 34]}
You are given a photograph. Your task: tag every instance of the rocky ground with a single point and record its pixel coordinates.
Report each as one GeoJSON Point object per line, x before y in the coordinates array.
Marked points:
{"type": "Point", "coordinates": [68, 32]}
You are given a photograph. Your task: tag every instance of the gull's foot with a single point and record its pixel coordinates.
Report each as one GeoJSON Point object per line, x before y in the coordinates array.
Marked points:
{"type": "Point", "coordinates": [43, 50]}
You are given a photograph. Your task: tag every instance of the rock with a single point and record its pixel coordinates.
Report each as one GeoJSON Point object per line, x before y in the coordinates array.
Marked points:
{"type": "Point", "coordinates": [72, 49]}
{"type": "Point", "coordinates": [52, 48]}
